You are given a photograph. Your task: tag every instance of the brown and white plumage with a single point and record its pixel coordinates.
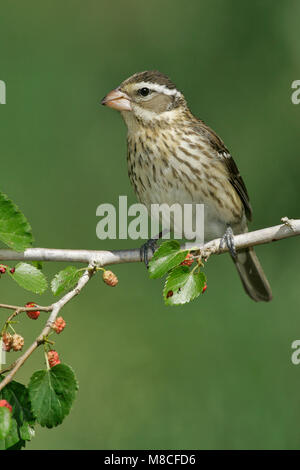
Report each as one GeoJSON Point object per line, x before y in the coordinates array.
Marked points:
{"type": "Point", "coordinates": [173, 157]}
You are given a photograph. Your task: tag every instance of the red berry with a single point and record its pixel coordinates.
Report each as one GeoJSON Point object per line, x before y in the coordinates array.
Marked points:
{"type": "Point", "coordinates": [34, 314]}
{"type": "Point", "coordinates": [12, 270]}
{"type": "Point", "coordinates": [188, 261]}
{"type": "Point", "coordinates": [6, 404]}
{"type": "Point", "coordinates": [2, 270]}
{"type": "Point", "coordinates": [59, 325]}
{"type": "Point", "coordinates": [53, 358]}
{"type": "Point", "coordinates": [169, 294]}
{"type": "Point", "coordinates": [204, 288]}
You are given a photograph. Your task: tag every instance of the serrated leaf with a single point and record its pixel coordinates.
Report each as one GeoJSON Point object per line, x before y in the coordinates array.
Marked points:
{"type": "Point", "coordinates": [22, 418]}
{"type": "Point", "coordinates": [52, 393]}
{"type": "Point", "coordinates": [15, 230]}
{"type": "Point", "coordinates": [17, 396]}
{"type": "Point", "coordinates": [165, 258]}
{"type": "Point", "coordinates": [29, 277]}
{"type": "Point", "coordinates": [65, 280]}
{"type": "Point", "coordinates": [183, 285]}
{"type": "Point", "coordinates": [5, 422]}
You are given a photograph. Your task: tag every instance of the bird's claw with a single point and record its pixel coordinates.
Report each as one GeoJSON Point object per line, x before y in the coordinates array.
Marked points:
{"type": "Point", "coordinates": [228, 239]}
{"type": "Point", "coordinates": [288, 222]}
{"type": "Point", "coordinates": [144, 250]}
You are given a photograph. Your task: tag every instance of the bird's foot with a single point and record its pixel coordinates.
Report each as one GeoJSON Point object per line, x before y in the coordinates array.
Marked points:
{"type": "Point", "coordinates": [228, 239]}
{"type": "Point", "coordinates": [288, 222]}
{"type": "Point", "coordinates": [144, 250]}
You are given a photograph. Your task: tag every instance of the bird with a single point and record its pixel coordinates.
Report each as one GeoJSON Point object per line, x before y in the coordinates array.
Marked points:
{"type": "Point", "coordinates": [174, 157]}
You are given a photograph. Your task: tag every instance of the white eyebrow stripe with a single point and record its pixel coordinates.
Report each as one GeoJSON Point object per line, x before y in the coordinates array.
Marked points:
{"type": "Point", "coordinates": [159, 88]}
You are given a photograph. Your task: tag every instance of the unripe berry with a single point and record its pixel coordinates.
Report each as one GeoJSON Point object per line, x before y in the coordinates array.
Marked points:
{"type": "Point", "coordinates": [188, 261]}
{"type": "Point", "coordinates": [17, 342]}
{"type": "Point", "coordinates": [34, 314]}
{"type": "Point", "coordinates": [53, 358]}
{"type": "Point", "coordinates": [59, 325]}
{"type": "Point", "coordinates": [110, 278]}
{"type": "Point", "coordinates": [6, 342]}
{"type": "Point", "coordinates": [6, 404]}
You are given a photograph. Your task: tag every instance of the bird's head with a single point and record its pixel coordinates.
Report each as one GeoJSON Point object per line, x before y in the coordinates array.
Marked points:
{"type": "Point", "coordinates": [145, 97]}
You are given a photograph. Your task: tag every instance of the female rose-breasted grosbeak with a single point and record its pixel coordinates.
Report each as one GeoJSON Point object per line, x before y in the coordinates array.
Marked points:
{"type": "Point", "coordinates": [173, 157]}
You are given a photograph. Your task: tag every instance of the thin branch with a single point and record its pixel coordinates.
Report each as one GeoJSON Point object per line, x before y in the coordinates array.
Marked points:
{"type": "Point", "coordinates": [26, 309]}
{"type": "Point", "coordinates": [8, 368]}
{"type": "Point", "coordinates": [289, 228]}
{"type": "Point", "coordinates": [55, 309]}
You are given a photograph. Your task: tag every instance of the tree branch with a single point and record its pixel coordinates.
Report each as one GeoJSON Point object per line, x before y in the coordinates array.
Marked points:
{"type": "Point", "coordinates": [55, 309]}
{"type": "Point", "coordinates": [20, 309]}
{"type": "Point", "coordinates": [289, 228]}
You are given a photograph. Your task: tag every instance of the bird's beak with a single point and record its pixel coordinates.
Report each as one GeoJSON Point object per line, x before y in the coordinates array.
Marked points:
{"type": "Point", "coordinates": [116, 99]}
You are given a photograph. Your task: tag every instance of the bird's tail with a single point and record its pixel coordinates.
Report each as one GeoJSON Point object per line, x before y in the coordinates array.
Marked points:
{"type": "Point", "coordinates": [252, 276]}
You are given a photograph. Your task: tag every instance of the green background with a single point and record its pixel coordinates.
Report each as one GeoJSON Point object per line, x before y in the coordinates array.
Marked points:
{"type": "Point", "coordinates": [213, 374]}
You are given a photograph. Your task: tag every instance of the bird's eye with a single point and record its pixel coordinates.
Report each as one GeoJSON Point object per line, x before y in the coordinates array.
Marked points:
{"type": "Point", "coordinates": [144, 91]}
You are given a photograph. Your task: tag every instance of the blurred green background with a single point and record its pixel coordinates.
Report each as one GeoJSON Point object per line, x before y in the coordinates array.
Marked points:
{"type": "Point", "coordinates": [213, 374]}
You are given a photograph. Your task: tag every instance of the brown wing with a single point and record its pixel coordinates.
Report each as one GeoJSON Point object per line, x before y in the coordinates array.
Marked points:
{"type": "Point", "coordinates": [223, 153]}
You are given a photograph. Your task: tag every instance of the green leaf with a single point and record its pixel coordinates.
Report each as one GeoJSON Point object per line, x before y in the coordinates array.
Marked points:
{"type": "Point", "coordinates": [65, 280]}
{"type": "Point", "coordinates": [27, 432]}
{"type": "Point", "coordinates": [17, 446]}
{"type": "Point", "coordinates": [183, 285]}
{"type": "Point", "coordinates": [5, 422]}
{"type": "Point", "coordinates": [17, 396]}
{"type": "Point", "coordinates": [12, 439]}
{"type": "Point", "coordinates": [15, 231]}
{"type": "Point", "coordinates": [22, 418]}
{"type": "Point", "coordinates": [52, 393]}
{"type": "Point", "coordinates": [29, 277]}
{"type": "Point", "coordinates": [165, 258]}
{"type": "Point", "coordinates": [37, 264]}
